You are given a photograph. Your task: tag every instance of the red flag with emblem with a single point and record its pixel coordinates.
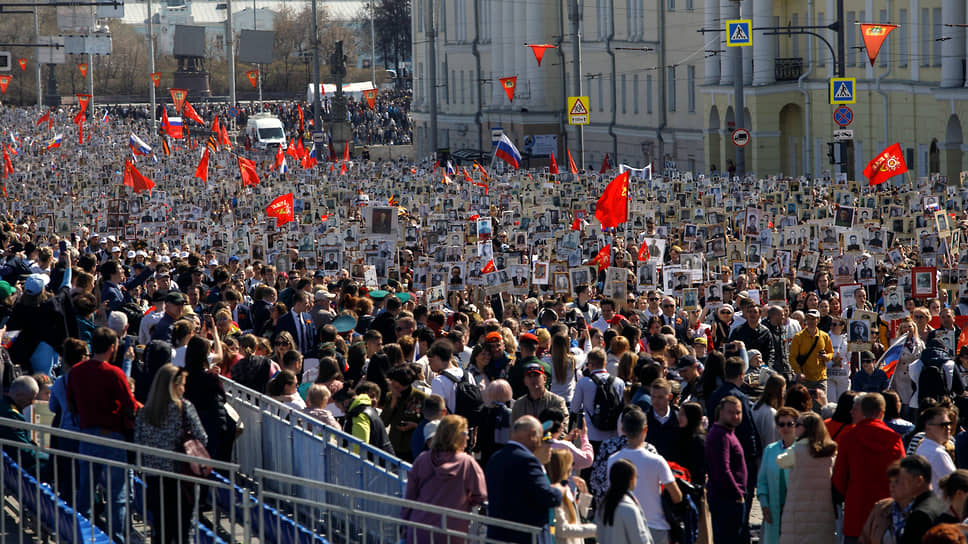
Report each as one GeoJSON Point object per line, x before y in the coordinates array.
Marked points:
{"type": "Point", "coordinates": [247, 169]}
{"type": "Point", "coordinates": [539, 50]}
{"type": "Point", "coordinates": [253, 76]}
{"type": "Point", "coordinates": [874, 36]}
{"type": "Point", "coordinates": [83, 100]}
{"type": "Point", "coordinates": [134, 179]}
{"type": "Point", "coordinates": [571, 162]}
{"type": "Point", "coordinates": [83, 68]}
{"type": "Point", "coordinates": [644, 251]}
{"type": "Point", "coordinates": [886, 165]}
{"type": "Point", "coordinates": [508, 84]}
{"type": "Point", "coordinates": [178, 97]}
{"type": "Point", "coordinates": [155, 78]}
{"type": "Point", "coordinates": [370, 95]}
{"type": "Point", "coordinates": [4, 81]}
{"type": "Point", "coordinates": [489, 267]}
{"type": "Point", "coordinates": [282, 209]}
{"type": "Point", "coordinates": [554, 165]}
{"type": "Point", "coordinates": [603, 258]}
{"type": "Point", "coordinates": [190, 113]}
{"type": "Point", "coordinates": [611, 210]}
{"type": "Point", "coordinates": [201, 171]}
{"type": "Point", "coordinates": [23, 64]}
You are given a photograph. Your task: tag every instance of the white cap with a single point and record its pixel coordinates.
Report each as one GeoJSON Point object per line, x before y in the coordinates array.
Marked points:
{"type": "Point", "coordinates": [115, 249]}
{"type": "Point", "coordinates": [165, 259]}
{"type": "Point", "coordinates": [131, 254]}
{"type": "Point", "coordinates": [183, 254]}
{"type": "Point", "coordinates": [213, 262]}
{"type": "Point", "coordinates": [141, 253]}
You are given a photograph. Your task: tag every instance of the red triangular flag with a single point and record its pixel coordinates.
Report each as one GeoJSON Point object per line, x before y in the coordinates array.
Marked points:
{"type": "Point", "coordinates": [201, 171]}
{"type": "Point", "coordinates": [489, 267]}
{"type": "Point", "coordinates": [611, 210]}
{"type": "Point", "coordinates": [605, 165]}
{"type": "Point", "coordinates": [7, 163]}
{"type": "Point", "coordinates": [282, 209]}
{"type": "Point", "coordinates": [23, 64]}
{"type": "Point", "coordinates": [300, 150]}
{"type": "Point", "coordinates": [644, 254]}
{"type": "Point", "coordinates": [576, 224]}
{"type": "Point", "coordinates": [886, 165]}
{"type": "Point", "coordinates": [554, 165]}
{"type": "Point", "coordinates": [509, 83]}
{"type": "Point", "coordinates": [4, 81]}
{"type": "Point", "coordinates": [155, 78]}
{"type": "Point", "coordinates": [253, 76]}
{"type": "Point", "coordinates": [83, 68]}
{"type": "Point", "coordinates": [247, 170]}
{"type": "Point", "coordinates": [224, 138]}
{"type": "Point", "coordinates": [178, 97]}
{"type": "Point", "coordinates": [134, 179]}
{"type": "Point", "coordinates": [83, 100]}
{"type": "Point", "coordinates": [370, 95]}
{"type": "Point", "coordinates": [571, 163]}
{"type": "Point", "coordinates": [539, 50]}
{"type": "Point", "coordinates": [874, 36]}
{"type": "Point", "coordinates": [603, 258]}
{"type": "Point", "coordinates": [216, 128]}
{"type": "Point", "coordinates": [190, 113]}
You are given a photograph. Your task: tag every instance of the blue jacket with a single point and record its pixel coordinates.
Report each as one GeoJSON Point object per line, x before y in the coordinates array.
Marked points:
{"type": "Point", "coordinates": [518, 490]}
{"type": "Point", "coordinates": [863, 382]}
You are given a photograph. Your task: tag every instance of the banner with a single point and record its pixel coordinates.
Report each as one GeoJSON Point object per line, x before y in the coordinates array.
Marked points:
{"type": "Point", "coordinates": [23, 64]}
{"type": "Point", "coordinates": [370, 95]}
{"type": "Point", "coordinates": [83, 68]}
{"type": "Point", "coordinates": [253, 76]}
{"type": "Point", "coordinates": [156, 78]}
{"type": "Point", "coordinates": [178, 98]}
{"type": "Point", "coordinates": [539, 51]}
{"type": "Point", "coordinates": [83, 100]}
{"type": "Point", "coordinates": [4, 81]}
{"type": "Point", "coordinates": [509, 83]}
{"type": "Point", "coordinates": [874, 36]}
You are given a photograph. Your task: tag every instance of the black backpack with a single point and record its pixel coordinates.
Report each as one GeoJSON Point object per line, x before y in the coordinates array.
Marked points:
{"type": "Point", "coordinates": [468, 400]}
{"type": "Point", "coordinates": [608, 405]}
{"type": "Point", "coordinates": [932, 383]}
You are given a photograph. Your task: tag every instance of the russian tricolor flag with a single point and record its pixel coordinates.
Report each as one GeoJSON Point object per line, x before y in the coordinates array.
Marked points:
{"type": "Point", "coordinates": [891, 356]}
{"type": "Point", "coordinates": [507, 152]}
{"type": "Point", "coordinates": [450, 169]}
{"type": "Point", "coordinates": [138, 146]}
{"type": "Point", "coordinates": [55, 141]}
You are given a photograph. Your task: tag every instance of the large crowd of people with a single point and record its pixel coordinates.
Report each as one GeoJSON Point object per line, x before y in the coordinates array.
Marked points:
{"type": "Point", "coordinates": [788, 345]}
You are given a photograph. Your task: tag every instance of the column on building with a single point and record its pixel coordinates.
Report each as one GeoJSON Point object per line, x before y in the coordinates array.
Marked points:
{"type": "Point", "coordinates": [497, 34]}
{"type": "Point", "coordinates": [764, 46]}
{"type": "Point", "coordinates": [713, 41]}
{"type": "Point", "coordinates": [728, 9]}
{"type": "Point", "coordinates": [953, 50]}
{"type": "Point", "coordinates": [508, 37]}
{"type": "Point", "coordinates": [535, 33]}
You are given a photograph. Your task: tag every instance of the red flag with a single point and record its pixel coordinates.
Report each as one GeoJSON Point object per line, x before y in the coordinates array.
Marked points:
{"type": "Point", "coordinates": [874, 36]}
{"type": "Point", "coordinates": [554, 165]}
{"type": "Point", "coordinates": [299, 108]}
{"type": "Point", "coordinates": [308, 160]}
{"type": "Point", "coordinates": [644, 251]}
{"type": "Point", "coordinates": [4, 81]}
{"type": "Point", "coordinates": [576, 224]}
{"type": "Point", "coordinates": [370, 95]}
{"type": "Point", "coordinates": [886, 165]}
{"type": "Point", "coordinates": [571, 163]}
{"type": "Point", "coordinates": [216, 128]}
{"type": "Point", "coordinates": [80, 118]}
{"type": "Point", "coordinates": [602, 259]}
{"type": "Point", "coordinates": [346, 158]}
{"type": "Point", "coordinates": [23, 64]}
{"type": "Point", "coordinates": [253, 76]}
{"type": "Point", "coordinates": [611, 210]}
{"type": "Point", "coordinates": [247, 169]}
{"type": "Point", "coordinates": [539, 51]}
{"type": "Point", "coordinates": [280, 158]}
{"type": "Point", "coordinates": [83, 68]}
{"type": "Point", "coordinates": [482, 171]}
{"type": "Point", "coordinates": [7, 163]}
{"type": "Point", "coordinates": [605, 165]}
{"type": "Point", "coordinates": [489, 267]}
{"type": "Point", "coordinates": [178, 97]}
{"type": "Point", "coordinates": [201, 171]}
{"type": "Point", "coordinates": [155, 78]}
{"type": "Point", "coordinates": [224, 138]}
{"type": "Point", "coordinates": [300, 150]}
{"type": "Point", "coordinates": [83, 100]}
{"type": "Point", "coordinates": [509, 83]}
{"type": "Point", "coordinates": [467, 177]}
{"type": "Point", "coordinates": [282, 209]}
{"type": "Point", "coordinates": [134, 179]}
{"type": "Point", "coordinates": [44, 117]}
{"type": "Point", "coordinates": [190, 113]}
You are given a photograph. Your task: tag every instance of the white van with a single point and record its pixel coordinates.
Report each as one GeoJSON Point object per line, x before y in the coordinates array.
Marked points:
{"type": "Point", "coordinates": [265, 131]}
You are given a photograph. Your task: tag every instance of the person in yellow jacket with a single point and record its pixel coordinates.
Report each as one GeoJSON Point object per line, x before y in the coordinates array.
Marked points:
{"type": "Point", "coordinates": [809, 353]}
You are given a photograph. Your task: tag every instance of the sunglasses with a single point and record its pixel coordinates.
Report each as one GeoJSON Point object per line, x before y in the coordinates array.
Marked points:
{"type": "Point", "coordinates": [786, 424]}
{"type": "Point", "coordinates": [668, 305]}
{"type": "Point", "coordinates": [283, 344]}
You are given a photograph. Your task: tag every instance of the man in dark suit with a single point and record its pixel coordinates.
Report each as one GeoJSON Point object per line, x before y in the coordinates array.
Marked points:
{"type": "Point", "coordinates": [517, 486]}
{"type": "Point", "coordinates": [912, 476]}
{"type": "Point", "coordinates": [264, 296]}
{"type": "Point", "coordinates": [241, 313]}
{"type": "Point", "coordinates": [298, 323]}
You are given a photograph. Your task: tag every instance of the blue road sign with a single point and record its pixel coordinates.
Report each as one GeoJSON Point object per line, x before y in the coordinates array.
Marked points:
{"type": "Point", "coordinates": [843, 116]}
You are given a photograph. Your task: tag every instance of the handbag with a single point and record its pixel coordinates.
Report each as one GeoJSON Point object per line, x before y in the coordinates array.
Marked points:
{"type": "Point", "coordinates": [194, 447]}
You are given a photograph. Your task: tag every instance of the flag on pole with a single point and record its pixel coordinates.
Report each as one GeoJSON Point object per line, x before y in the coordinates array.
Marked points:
{"type": "Point", "coordinates": [299, 109]}
{"type": "Point", "coordinates": [23, 64]}
{"type": "Point", "coordinates": [253, 76]}
{"type": "Point", "coordinates": [644, 254]}
{"type": "Point", "coordinates": [137, 145]}
{"type": "Point", "coordinates": [370, 95]}
{"type": "Point", "coordinates": [190, 113]}
{"type": "Point", "coordinates": [576, 224]}
{"type": "Point", "coordinates": [603, 258]}
{"type": "Point", "coordinates": [155, 78]}
{"type": "Point", "coordinates": [554, 165]}
{"type": "Point", "coordinates": [605, 165]}
{"type": "Point", "coordinates": [4, 81]}
{"type": "Point", "coordinates": [201, 171]}
{"type": "Point", "coordinates": [83, 68]}
{"type": "Point", "coordinates": [55, 141]}
{"type": "Point", "coordinates": [483, 172]}
{"type": "Point", "coordinates": [134, 179]}
{"type": "Point", "coordinates": [886, 165]}
{"type": "Point", "coordinates": [888, 361]}
{"type": "Point", "coordinates": [83, 100]}
{"type": "Point", "coordinates": [874, 36]}
{"type": "Point", "coordinates": [571, 163]}
{"type": "Point", "coordinates": [282, 209]}
{"type": "Point", "coordinates": [506, 151]}
{"type": "Point", "coordinates": [612, 210]}
{"type": "Point", "coordinates": [489, 267]}
{"type": "Point", "coordinates": [178, 98]}
{"type": "Point", "coordinates": [44, 118]}
{"type": "Point", "coordinates": [7, 163]}
{"type": "Point", "coordinates": [247, 170]}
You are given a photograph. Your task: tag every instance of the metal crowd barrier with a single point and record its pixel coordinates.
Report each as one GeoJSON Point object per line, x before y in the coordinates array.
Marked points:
{"type": "Point", "coordinates": [332, 511]}
{"type": "Point", "coordinates": [280, 439]}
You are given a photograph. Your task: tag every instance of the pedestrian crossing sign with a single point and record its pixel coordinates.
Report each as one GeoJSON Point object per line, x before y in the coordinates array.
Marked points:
{"type": "Point", "coordinates": [739, 33]}
{"type": "Point", "coordinates": [843, 90]}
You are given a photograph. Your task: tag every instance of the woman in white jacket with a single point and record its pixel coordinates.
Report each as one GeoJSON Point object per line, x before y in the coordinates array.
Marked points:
{"type": "Point", "coordinates": [569, 528]}
{"type": "Point", "coordinates": [838, 367]}
{"type": "Point", "coordinates": [620, 519]}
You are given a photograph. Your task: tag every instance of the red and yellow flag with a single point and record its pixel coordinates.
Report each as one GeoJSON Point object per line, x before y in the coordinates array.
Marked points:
{"type": "Point", "coordinates": [253, 76]}
{"type": "Point", "coordinates": [612, 210]}
{"type": "Point", "coordinates": [155, 78]}
{"type": "Point", "coordinates": [282, 209]}
{"type": "Point", "coordinates": [370, 95]}
{"type": "Point", "coordinates": [83, 68]}
{"type": "Point", "coordinates": [178, 97]}
{"type": "Point", "coordinates": [886, 165]}
{"type": "Point", "coordinates": [508, 84]}
{"type": "Point", "coordinates": [874, 36]}
{"type": "Point", "coordinates": [23, 64]}
{"type": "Point", "coordinates": [603, 258]}
{"type": "Point", "coordinates": [4, 81]}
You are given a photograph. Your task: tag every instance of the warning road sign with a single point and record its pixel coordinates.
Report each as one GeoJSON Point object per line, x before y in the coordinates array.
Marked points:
{"type": "Point", "coordinates": [578, 110]}
{"type": "Point", "coordinates": [842, 90]}
{"type": "Point", "coordinates": [739, 33]}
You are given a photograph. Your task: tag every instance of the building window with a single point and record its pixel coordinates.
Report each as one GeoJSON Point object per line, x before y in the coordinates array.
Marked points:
{"type": "Point", "coordinates": [938, 33]}
{"type": "Point", "coordinates": [851, 39]}
{"type": "Point", "coordinates": [691, 73]}
{"type": "Point", "coordinates": [442, 23]}
{"type": "Point", "coordinates": [648, 94]}
{"type": "Point", "coordinates": [926, 40]}
{"type": "Point", "coordinates": [623, 94]}
{"type": "Point", "coordinates": [671, 95]}
{"type": "Point", "coordinates": [672, 5]}
{"type": "Point", "coordinates": [859, 46]}
{"type": "Point", "coordinates": [689, 5]}
{"type": "Point", "coordinates": [902, 39]}
{"type": "Point", "coordinates": [635, 93]}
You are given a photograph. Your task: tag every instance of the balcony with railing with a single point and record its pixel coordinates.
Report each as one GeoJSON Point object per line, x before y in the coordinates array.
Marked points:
{"type": "Point", "coordinates": [788, 69]}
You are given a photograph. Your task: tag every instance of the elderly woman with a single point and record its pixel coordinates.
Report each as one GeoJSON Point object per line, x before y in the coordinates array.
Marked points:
{"type": "Point", "coordinates": [808, 513]}
{"type": "Point", "coordinates": [771, 482]}
{"type": "Point", "coordinates": [444, 476]}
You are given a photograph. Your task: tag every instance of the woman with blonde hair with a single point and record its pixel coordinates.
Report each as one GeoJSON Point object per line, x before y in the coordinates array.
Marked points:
{"type": "Point", "coordinates": [446, 476]}
{"type": "Point", "coordinates": [901, 381]}
{"type": "Point", "coordinates": [563, 368]}
{"type": "Point", "coordinates": [161, 424]}
{"type": "Point", "coordinates": [569, 528]}
{"type": "Point", "coordinates": [808, 513]}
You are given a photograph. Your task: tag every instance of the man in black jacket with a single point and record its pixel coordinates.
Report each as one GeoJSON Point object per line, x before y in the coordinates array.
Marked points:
{"type": "Point", "coordinates": [754, 334]}
{"type": "Point", "coordinates": [781, 352]}
{"type": "Point", "coordinates": [913, 494]}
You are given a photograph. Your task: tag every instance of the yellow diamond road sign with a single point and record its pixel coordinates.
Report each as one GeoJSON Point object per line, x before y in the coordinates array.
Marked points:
{"type": "Point", "coordinates": [578, 110]}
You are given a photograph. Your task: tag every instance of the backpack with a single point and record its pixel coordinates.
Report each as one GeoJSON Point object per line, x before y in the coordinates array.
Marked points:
{"type": "Point", "coordinates": [932, 383]}
{"type": "Point", "coordinates": [683, 518]}
{"type": "Point", "coordinates": [608, 405]}
{"type": "Point", "coordinates": [468, 400]}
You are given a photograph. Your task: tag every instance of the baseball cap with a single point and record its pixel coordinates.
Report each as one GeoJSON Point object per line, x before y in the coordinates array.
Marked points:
{"type": "Point", "coordinates": [867, 356]}
{"type": "Point", "coordinates": [176, 298]}
{"type": "Point", "coordinates": [6, 289]}
{"type": "Point", "coordinates": [685, 361]}
{"type": "Point", "coordinates": [131, 254]}
{"type": "Point", "coordinates": [700, 340]}
{"type": "Point", "coordinates": [115, 249]}
{"type": "Point", "coordinates": [213, 262]}
{"type": "Point", "coordinates": [813, 313]}
{"type": "Point", "coordinates": [533, 367]}
{"type": "Point", "coordinates": [234, 259]}
{"type": "Point", "coordinates": [493, 336]}
{"type": "Point", "coordinates": [530, 337]}
{"type": "Point", "coordinates": [35, 283]}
